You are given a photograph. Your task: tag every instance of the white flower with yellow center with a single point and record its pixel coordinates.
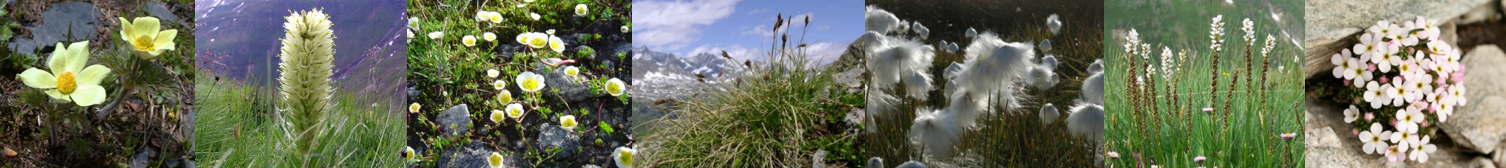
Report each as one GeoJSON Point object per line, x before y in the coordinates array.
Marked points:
{"type": "Point", "coordinates": [550, 32]}
{"type": "Point", "coordinates": [495, 17]}
{"type": "Point", "coordinates": [572, 71]}
{"type": "Point", "coordinates": [556, 44]}
{"type": "Point", "coordinates": [413, 108]}
{"type": "Point", "coordinates": [615, 87]}
{"type": "Point", "coordinates": [483, 16]}
{"type": "Point", "coordinates": [537, 40]}
{"type": "Point", "coordinates": [625, 29]}
{"type": "Point", "coordinates": [492, 73]}
{"type": "Point", "coordinates": [410, 155]}
{"type": "Point", "coordinates": [413, 23]}
{"type": "Point", "coordinates": [514, 110]}
{"type": "Point", "coordinates": [497, 116]}
{"type": "Point", "coordinates": [505, 96]}
{"type": "Point", "coordinates": [624, 157]}
{"type": "Point", "coordinates": [147, 36]}
{"type": "Point", "coordinates": [580, 9]}
{"type": "Point", "coordinates": [468, 40]}
{"type": "Point", "coordinates": [69, 80]}
{"type": "Point", "coordinates": [489, 36]}
{"type": "Point", "coordinates": [495, 160]}
{"type": "Point", "coordinates": [534, 15]}
{"type": "Point", "coordinates": [436, 35]}
{"type": "Point", "coordinates": [499, 85]}
{"type": "Point", "coordinates": [530, 82]}
{"type": "Point", "coordinates": [568, 122]}
{"type": "Point", "coordinates": [523, 38]}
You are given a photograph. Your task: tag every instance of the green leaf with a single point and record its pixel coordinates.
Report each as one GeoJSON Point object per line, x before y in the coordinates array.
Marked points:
{"type": "Point", "coordinates": [604, 126]}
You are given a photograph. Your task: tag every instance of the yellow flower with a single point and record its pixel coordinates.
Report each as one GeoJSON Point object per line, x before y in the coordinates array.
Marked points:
{"type": "Point", "coordinates": [499, 85]}
{"type": "Point", "coordinates": [556, 44]}
{"type": "Point", "coordinates": [580, 9]}
{"type": "Point", "coordinates": [505, 96]}
{"type": "Point", "coordinates": [514, 110]}
{"type": "Point", "coordinates": [495, 160]}
{"type": "Point", "coordinates": [624, 157]}
{"type": "Point", "coordinates": [567, 122]}
{"type": "Point", "coordinates": [147, 36]}
{"type": "Point", "coordinates": [468, 40]}
{"type": "Point", "coordinates": [489, 36]}
{"type": "Point", "coordinates": [530, 82]}
{"type": "Point", "coordinates": [572, 71]}
{"type": "Point", "coordinates": [497, 116]}
{"type": "Point", "coordinates": [615, 87]}
{"type": "Point", "coordinates": [69, 80]}
{"type": "Point", "coordinates": [413, 108]}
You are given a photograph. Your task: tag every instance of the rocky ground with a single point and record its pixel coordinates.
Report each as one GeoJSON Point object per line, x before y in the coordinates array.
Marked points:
{"type": "Point", "coordinates": [1472, 137]}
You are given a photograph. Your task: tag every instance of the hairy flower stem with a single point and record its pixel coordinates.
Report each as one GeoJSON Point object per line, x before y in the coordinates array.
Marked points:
{"type": "Point", "coordinates": [307, 52]}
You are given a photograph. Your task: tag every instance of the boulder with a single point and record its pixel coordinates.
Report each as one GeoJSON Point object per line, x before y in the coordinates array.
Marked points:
{"type": "Point", "coordinates": [475, 155]}
{"type": "Point", "coordinates": [1330, 143]}
{"type": "Point", "coordinates": [1333, 25]}
{"type": "Point", "coordinates": [552, 136]}
{"type": "Point", "coordinates": [62, 22]}
{"type": "Point", "coordinates": [1478, 125]}
{"type": "Point", "coordinates": [455, 120]}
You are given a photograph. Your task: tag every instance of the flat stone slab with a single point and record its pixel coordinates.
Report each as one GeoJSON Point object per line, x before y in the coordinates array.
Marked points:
{"type": "Point", "coordinates": [1479, 125]}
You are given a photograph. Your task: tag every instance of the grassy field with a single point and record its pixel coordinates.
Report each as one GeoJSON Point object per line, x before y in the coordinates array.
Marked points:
{"type": "Point", "coordinates": [781, 114]}
{"type": "Point", "coordinates": [1253, 98]}
{"type": "Point", "coordinates": [238, 128]}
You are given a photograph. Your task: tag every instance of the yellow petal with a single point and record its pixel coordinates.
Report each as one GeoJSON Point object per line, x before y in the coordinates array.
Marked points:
{"type": "Point", "coordinates": [88, 95]}
{"type": "Point", "coordinates": [126, 28]}
{"type": "Point", "coordinates": [57, 95]}
{"type": "Point", "coordinates": [93, 75]}
{"type": "Point", "coordinates": [146, 26]}
{"type": "Point", "coordinates": [54, 62]}
{"type": "Point", "coordinates": [38, 79]}
{"type": "Point", "coordinates": [164, 39]}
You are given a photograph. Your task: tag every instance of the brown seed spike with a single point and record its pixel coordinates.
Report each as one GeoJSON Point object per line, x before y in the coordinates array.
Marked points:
{"type": "Point", "coordinates": [748, 63]}
{"type": "Point", "coordinates": [778, 22]}
{"type": "Point", "coordinates": [724, 55]}
{"type": "Point", "coordinates": [807, 20]}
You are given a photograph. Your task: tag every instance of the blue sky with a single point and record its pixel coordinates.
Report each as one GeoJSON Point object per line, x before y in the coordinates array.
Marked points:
{"type": "Point", "coordinates": [741, 27]}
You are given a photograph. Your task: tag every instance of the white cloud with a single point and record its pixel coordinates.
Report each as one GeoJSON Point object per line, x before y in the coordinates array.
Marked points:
{"type": "Point", "coordinates": [757, 11]}
{"type": "Point", "coordinates": [763, 29]}
{"type": "Point", "coordinates": [820, 52]}
{"type": "Point", "coordinates": [737, 51]}
{"type": "Point", "coordinates": [675, 24]}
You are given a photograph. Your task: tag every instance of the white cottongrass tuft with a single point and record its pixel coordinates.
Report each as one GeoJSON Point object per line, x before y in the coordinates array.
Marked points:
{"type": "Point", "coordinates": [1049, 114]}
{"type": "Point", "coordinates": [935, 131]}
{"type": "Point", "coordinates": [993, 68]}
{"type": "Point", "coordinates": [1042, 77]}
{"type": "Point", "coordinates": [1086, 122]}
{"type": "Point", "coordinates": [912, 164]}
{"type": "Point", "coordinates": [1096, 67]}
{"type": "Point", "coordinates": [917, 84]}
{"type": "Point", "coordinates": [1092, 88]}
{"type": "Point", "coordinates": [951, 71]}
{"type": "Point", "coordinates": [971, 33]}
{"type": "Point", "coordinates": [1045, 46]}
{"type": "Point", "coordinates": [880, 20]}
{"type": "Point", "coordinates": [921, 30]}
{"type": "Point", "coordinates": [1049, 62]}
{"type": "Point", "coordinates": [1054, 22]}
{"type": "Point", "coordinates": [951, 47]}
{"type": "Point", "coordinates": [891, 59]}
{"type": "Point", "coordinates": [875, 162]}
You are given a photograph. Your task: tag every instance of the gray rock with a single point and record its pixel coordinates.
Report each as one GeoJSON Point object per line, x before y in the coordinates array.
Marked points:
{"type": "Point", "coordinates": [1478, 125]}
{"type": "Point", "coordinates": [62, 22]}
{"type": "Point", "coordinates": [1330, 143]}
{"type": "Point", "coordinates": [475, 155]}
{"type": "Point", "coordinates": [455, 120]}
{"type": "Point", "coordinates": [552, 136]}
{"type": "Point", "coordinates": [1333, 24]}
{"type": "Point", "coordinates": [159, 10]}
{"type": "Point", "coordinates": [569, 89]}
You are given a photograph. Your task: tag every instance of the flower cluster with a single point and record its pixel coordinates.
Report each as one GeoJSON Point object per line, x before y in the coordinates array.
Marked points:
{"type": "Point", "coordinates": [1409, 79]}
{"type": "Point", "coordinates": [1216, 33]}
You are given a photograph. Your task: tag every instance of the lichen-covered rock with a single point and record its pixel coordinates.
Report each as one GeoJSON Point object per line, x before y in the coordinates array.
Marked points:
{"type": "Point", "coordinates": [1478, 125]}
{"type": "Point", "coordinates": [455, 120]}
{"type": "Point", "coordinates": [475, 155]}
{"type": "Point", "coordinates": [552, 136]}
{"type": "Point", "coordinates": [1332, 25]}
